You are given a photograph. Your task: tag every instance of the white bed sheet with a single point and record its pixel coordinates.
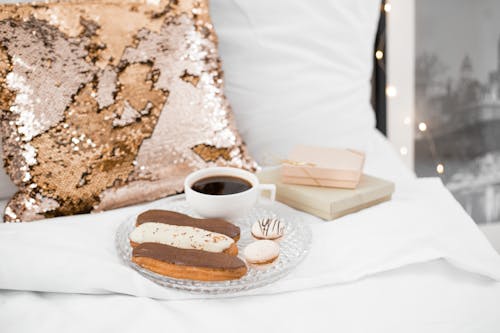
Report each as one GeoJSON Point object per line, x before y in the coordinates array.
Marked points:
{"type": "Point", "coordinates": [430, 297]}
{"type": "Point", "coordinates": [427, 297]}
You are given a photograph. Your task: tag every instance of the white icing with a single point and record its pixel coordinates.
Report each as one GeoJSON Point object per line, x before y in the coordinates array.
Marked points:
{"type": "Point", "coordinates": [261, 251]}
{"type": "Point", "coordinates": [180, 236]}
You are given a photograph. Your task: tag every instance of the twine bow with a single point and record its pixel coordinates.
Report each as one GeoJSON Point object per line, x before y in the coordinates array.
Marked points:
{"type": "Point", "coordinates": [299, 164]}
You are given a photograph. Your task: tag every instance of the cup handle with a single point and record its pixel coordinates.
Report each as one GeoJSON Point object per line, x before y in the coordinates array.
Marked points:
{"type": "Point", "coordinates": [271, 188]}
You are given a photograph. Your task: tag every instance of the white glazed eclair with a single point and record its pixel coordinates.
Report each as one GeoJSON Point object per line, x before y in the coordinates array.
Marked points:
{"type": "Point", "coordinates": [183, 237]}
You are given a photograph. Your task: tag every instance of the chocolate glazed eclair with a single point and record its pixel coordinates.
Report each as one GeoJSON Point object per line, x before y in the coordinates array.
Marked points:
{"type": "Point", "coordinates": [188, 264]}
{"type": "Point", "coordinates": [168, 217]}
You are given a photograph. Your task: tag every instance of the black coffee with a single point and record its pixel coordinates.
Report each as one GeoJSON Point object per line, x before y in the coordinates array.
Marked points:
{"type": "Point", "coordinates": [221, 185]}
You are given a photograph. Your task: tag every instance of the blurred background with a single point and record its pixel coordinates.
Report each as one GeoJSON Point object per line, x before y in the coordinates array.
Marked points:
{"type": "Point", "coordinates": [443, 97]}
{"type": "Point", "coordinates": [457, 100]}
{"type": "Point", "coordinates": [449, 125]}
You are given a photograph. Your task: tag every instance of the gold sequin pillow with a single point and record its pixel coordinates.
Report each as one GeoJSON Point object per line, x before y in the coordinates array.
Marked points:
{"type": "Point", "coordinates": [109, 103]}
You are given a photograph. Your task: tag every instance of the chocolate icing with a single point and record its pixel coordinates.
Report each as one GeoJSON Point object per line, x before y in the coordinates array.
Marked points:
{"type": "Point", "coordinates": [187, 257]}
{"type": "Point", "coordinates": [174, 218]}
{"type": "Point", "coordinates": [271, 226]}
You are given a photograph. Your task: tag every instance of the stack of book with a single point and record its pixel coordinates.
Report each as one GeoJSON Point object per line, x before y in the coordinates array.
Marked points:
{"type": "Point", "coordinates": [326, 182]}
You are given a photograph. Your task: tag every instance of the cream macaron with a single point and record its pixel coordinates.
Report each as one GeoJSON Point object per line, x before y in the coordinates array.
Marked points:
{"type": "Point", "coordinates": [261, 252]}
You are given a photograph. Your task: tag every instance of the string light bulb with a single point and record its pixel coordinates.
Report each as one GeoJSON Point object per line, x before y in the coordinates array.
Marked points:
{"type": "Point", "coordinates": [407, 120]}
{"type": "Point", "coordinates": [422, 127]}
{"type": "Point", "coordinates": [440, 168]}
{"type": "Point", "coordinates": [391, 91]}
{"type": "Point", "coordinates": [387, 7]}
{"type": "Point", "coordinates": [379, 54]}
{"type": "Point", "coordinates": [403, 151]}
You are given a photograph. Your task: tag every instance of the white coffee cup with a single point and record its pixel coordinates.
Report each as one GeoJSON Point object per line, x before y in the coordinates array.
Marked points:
{"type": "Point", "coordinates": [228, 205]}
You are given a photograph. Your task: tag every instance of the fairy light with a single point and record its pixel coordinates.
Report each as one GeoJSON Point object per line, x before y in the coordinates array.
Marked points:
{"type": "Point", "coordinates": [440, 168]}
{"type": "Point", "coordinates": [391, 91]}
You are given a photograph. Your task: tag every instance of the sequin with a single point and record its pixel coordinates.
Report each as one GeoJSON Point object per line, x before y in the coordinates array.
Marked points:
{"type": "Point", "coordinates": [109, 103]}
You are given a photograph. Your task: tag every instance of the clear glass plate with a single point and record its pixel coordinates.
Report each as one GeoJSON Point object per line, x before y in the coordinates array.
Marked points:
{"type": "Point", "coordinates": [294, 246]}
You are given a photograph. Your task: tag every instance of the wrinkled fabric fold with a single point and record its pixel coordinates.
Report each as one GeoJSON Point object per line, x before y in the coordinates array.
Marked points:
{"type": "Point", "coordinates": [423, 222]}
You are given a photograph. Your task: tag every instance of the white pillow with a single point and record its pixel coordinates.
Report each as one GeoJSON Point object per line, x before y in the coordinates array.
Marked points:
{"type": "Point", "coordinates": [298, 71]}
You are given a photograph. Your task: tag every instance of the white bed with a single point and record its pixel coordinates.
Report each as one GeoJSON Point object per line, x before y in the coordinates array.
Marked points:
{"type": "Point", "coordinates": [415, 264]}
{"type": "Point", "coordinates": [431, 296]}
